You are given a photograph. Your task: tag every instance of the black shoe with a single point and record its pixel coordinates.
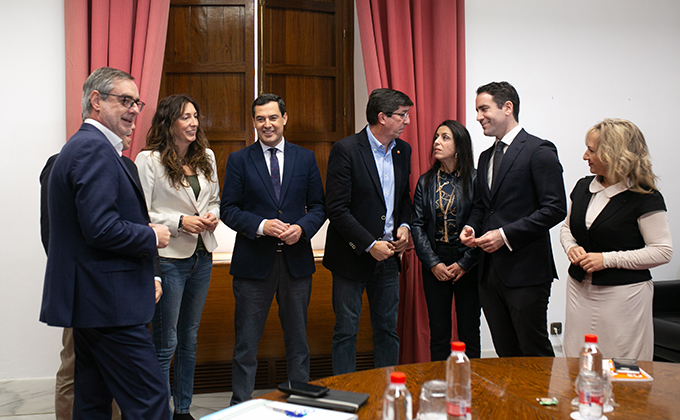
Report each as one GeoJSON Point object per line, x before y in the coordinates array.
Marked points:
{"type": "Point", "coordinates": [182, 416]}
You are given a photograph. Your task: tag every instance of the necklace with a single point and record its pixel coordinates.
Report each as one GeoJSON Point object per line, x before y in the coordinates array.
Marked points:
{"type": "Point", "coordinates": [445, 210]}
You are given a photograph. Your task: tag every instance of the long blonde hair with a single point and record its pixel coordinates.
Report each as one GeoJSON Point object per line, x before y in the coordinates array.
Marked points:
{"type": "Point", "coordinates": [622, 148]}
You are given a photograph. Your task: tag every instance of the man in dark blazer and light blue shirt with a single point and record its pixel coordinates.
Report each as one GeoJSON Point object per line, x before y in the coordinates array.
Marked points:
{"type": "Point", "coordinates": [273, 198]}
{"type": "Point", "coordinates": [519, 197]}
{"type": "Point", "coordinates": [99, 277]}
{"type": "Point", "coordinates": [369, 208]}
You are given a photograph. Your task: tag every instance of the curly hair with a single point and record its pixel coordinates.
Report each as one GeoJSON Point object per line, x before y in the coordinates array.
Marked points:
{"type": "Point", "coordinates": [622, 148]}
{"type": "Point", "coordinates": [159, 139]}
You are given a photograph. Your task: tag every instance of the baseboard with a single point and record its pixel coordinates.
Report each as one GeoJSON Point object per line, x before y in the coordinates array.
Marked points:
{"type": "Point", "coordinates": [26, 396]}
{"type": "Point", "coordinates": [557, 348]}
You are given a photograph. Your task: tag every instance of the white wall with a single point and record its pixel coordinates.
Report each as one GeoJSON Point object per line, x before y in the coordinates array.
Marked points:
{"type": "Point", "coordinates": [573, 64]}
{"type": "Point", "coordinates": [32, 118]}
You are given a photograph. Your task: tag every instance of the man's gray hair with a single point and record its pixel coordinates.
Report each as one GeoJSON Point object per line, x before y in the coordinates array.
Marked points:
{"type": "Point", "coordinates": [100, 80]}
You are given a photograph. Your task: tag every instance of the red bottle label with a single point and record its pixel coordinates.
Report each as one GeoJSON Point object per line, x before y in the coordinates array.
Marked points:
{"type": "Point", "coordinates": [585, 397]}
{"type": "Point", "coordinates": [457, 408]}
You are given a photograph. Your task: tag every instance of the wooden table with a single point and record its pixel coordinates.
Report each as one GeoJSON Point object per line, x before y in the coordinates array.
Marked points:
{"type": "Point", "coordinates": [507, 388]}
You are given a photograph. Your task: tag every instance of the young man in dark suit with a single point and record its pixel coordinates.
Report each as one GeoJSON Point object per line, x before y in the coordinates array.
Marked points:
{"type": "Point", "coordinates": [519, 197]}
{"type": "Point", "coordinates": [369, 208]}
{"type": "Point", "coordinates": [99, 278]}
{"type": "Point", "coordinates": [273, 198]}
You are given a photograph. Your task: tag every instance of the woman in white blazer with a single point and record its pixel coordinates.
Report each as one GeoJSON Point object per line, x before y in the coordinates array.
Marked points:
{"type": "Point", "coordinates": [179, 177]}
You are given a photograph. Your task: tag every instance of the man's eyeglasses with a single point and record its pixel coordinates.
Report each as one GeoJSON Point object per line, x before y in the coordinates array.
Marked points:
{"type": "Point", "coordinates": [403, 115]}
{"type": "Point", "coordinates": [127, 101]}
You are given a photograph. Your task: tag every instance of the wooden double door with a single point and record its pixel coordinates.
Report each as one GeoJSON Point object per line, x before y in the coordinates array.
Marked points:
{"type": "Point", "coordinates": [304, 52]}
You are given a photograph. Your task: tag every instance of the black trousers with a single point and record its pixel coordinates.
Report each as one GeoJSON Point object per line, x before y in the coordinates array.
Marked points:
{"type": "Point", "coordinates": [440, 295]}
{"type": "Point", "coordinates": [517, 316]}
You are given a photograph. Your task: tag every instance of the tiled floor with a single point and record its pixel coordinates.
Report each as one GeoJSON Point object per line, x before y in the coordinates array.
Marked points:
{"type": "Point", "coordinates": [202, 405]}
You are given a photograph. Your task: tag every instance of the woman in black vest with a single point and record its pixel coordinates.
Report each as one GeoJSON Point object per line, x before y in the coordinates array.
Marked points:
{"type": "Point", "coordinates": [441, 205]}
{"type": "Point", "coordinates": [615, 232]}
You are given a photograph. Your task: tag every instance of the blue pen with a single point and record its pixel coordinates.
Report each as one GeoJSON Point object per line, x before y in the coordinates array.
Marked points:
{"type": "Point", "coordinates": [289, 413]}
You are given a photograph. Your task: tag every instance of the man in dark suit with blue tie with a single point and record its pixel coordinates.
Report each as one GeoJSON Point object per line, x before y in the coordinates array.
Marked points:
{"type": "Point", "coordinates": [369, 209]}
{"type": "Point", "coordinates": [99, 278]}
{"type": "Point", "coordinates": [519, 197]}
{"type": "Point", "coordinates": [273, 198]}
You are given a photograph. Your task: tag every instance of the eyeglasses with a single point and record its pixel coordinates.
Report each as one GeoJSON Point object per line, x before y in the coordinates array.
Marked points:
{"type": "Point", "coordinates": [127, 101]}
{"type": "Point", "coordinates": [403, 115]}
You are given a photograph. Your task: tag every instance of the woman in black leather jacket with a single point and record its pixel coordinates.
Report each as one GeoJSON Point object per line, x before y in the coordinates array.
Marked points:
{"type": "Point", "coordinates": [442, 203]}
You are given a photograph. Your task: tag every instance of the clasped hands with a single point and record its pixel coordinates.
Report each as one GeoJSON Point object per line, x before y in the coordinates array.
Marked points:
{"type": "Point", "coordinates": [452, 272]}
{"type": "Point", "coordinates": [286, 232]}
{"type": "Point", "coordinates": [198, 224]}
{"type": "Point", "coordinates": [382, 250]}
{"type": "Point", "coordinates": [490, 242]}
{"type": "Point", "coordinates": [588, 261]}
{"type": "Point", "coordinates": [190, 224]}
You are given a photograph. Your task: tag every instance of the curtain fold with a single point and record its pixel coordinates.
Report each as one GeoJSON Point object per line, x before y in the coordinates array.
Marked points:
{"type": "Point", "coordinates": [125, 34]}
{"type": "Point", "coordinates": [417, 47]}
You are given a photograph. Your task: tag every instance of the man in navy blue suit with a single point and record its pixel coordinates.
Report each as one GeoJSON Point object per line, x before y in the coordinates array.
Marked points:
{"type": "Point", "coordinates": [273, 198]}
{"type": "Point", "coordinates": [99, 278]}
{"type": "Point", "coordinates": [519, 197]}
{"type": "Point", "coordinates": [63, 395]}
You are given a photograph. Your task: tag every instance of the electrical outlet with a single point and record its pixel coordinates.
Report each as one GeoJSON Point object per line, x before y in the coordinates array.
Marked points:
{"type": "Point", "coordinates": [556, 328]}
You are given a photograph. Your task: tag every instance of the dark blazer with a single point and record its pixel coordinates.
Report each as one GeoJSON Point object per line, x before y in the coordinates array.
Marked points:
{"type": "Point", "coordinates": [614, 229]}
{"type": "Point", "coordinates": [527, 200]}
{"type": "Point", "coordinates": [44, 208]}
{"type": "Point", "coordinates": [355, 203]}
{"type": "Point", "coordinates": [248, 197]}
{"type": "Point", "coordinates": [425, 221]}
{"type": "Point", "coordinates": [99, 268]}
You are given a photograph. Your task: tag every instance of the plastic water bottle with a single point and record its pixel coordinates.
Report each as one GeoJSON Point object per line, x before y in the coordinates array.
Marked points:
{"type": "Point", "coordinates": [590, 395]}
{"type": "Point", "coordinates": [397, 404]}
{"type": "Point", "coordinates": [458, 395]}
{"type": "Point", "coordinates": [589, 383]}
{"type": "Point", "coordinates": [591, 357]}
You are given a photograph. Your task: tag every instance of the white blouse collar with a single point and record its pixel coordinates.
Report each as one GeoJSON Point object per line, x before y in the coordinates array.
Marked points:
{"type": "Point", "coordinates": [610, 191]}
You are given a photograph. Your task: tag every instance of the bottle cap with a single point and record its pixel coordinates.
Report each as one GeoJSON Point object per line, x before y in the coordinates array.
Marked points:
{"type": "Point", "coordinates": [398, 378]}
{"type": "Point", "coordinates": [591, 338]}
{"type": "Point", "coordinates": [457, 346]}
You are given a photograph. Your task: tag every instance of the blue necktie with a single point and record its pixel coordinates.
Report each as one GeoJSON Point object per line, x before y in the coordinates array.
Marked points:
{"type": "Point", "coordinates": [275, 172]}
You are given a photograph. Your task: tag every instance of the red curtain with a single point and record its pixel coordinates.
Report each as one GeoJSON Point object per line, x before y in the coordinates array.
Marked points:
{"type": "Point", "coordinates": [417, 47]}
{"type": "Point", "coordinates": [125, 34]}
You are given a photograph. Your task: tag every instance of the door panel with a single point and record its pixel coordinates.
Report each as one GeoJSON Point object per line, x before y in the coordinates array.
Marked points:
{"type": "Point", "coordinates": [210, 56]}
{"type": "Point", "coordinates": [306, 58]}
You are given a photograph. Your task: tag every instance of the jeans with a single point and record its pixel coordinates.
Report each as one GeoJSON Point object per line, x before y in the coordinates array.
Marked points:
{"type": "Point", "coordinates": [175, 322]}
{"type": "Point", "coordinates": [382, 289]}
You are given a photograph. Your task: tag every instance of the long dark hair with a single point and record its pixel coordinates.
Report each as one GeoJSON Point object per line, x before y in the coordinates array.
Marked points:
{"type": "Point", "coordinates": [159, 139]}
{"type": "Point", "coordinates": [464, 161]}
